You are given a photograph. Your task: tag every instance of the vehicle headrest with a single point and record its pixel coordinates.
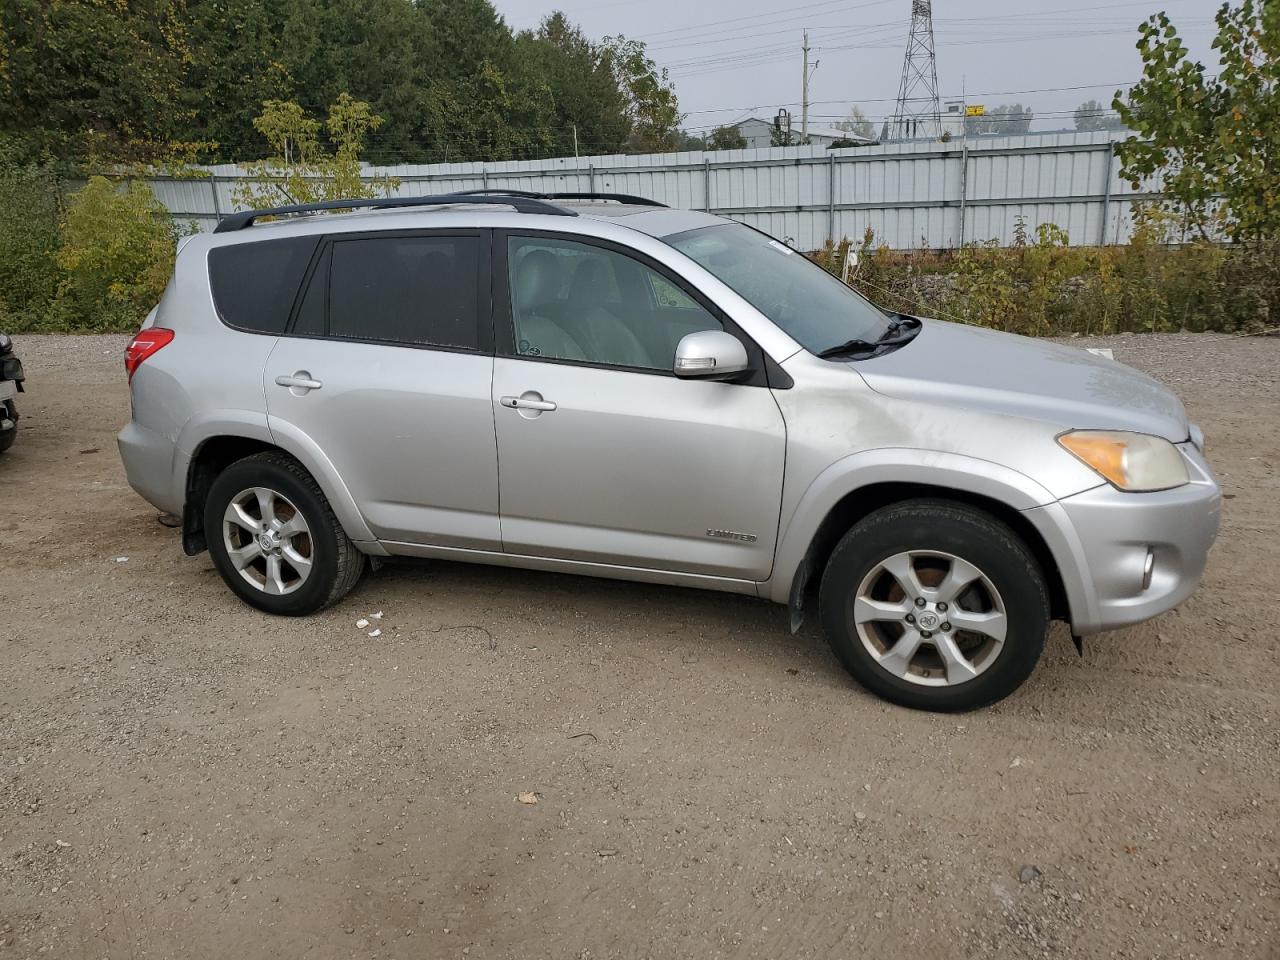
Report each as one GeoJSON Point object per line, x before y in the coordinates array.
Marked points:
{"type": "Point", "coordinates": [537, 278]}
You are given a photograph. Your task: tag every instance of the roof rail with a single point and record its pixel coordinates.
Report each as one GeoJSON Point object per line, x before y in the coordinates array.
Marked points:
{"type": "Point", "coordinates": [522, 204]}
{"type": "Point", "coordinates": [530, 195]}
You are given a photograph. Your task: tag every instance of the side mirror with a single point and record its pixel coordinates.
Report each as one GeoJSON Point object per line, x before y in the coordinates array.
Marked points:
{"type": "Point", "coordinates": [710, 355]}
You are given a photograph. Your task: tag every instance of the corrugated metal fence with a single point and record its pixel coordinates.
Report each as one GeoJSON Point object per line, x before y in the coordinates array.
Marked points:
{"type": "Point", "coordinates": [911, 194]}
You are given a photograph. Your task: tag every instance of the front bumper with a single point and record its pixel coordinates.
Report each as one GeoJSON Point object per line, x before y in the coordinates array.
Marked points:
{"type": "Point", "coordinates": [1102, 540]}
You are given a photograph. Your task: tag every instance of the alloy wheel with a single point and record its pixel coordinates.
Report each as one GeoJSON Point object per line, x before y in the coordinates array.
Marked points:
{"type": "Point", "coordinates": [929, 617]}
{"type": "Point", "coordinates": [268, 541]}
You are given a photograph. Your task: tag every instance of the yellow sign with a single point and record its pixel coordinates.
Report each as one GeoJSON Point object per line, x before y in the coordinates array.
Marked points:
{"type": "Point", "coordinates": [975, 110]}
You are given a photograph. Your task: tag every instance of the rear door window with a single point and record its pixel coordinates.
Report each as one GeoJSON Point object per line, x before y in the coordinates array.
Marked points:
{"type": "Point", "coordinates": [420, 290]}
{"type": "Point", "coordinates": [254, 284]}
{"type": "Point", "coordinates": [310, 321]}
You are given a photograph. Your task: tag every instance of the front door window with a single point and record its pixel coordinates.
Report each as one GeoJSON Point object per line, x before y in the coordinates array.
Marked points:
{"type": "Point", "coordinates": [575, 301]}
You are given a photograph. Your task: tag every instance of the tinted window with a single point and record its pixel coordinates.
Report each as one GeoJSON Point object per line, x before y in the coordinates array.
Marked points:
{"type": "Point", "coordinates": [405, 290]}
{"type": "Point", "coordinates": [254, 284]}
{"type": "Point", "coordinates": [575, 301]}
{"type": "Point", "coordinates": [310, 321]}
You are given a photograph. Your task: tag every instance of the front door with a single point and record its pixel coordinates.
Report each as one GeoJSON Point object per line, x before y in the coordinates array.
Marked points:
{"type": "Point", "coordinates": [604, 455]}
{"type": "Point", "coordinates": [387, 368]}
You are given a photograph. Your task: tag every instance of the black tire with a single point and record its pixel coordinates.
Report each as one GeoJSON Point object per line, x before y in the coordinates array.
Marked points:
{"type": "Point", "coordinates": [336, 564]}
{"type": "Point", "coordinates": [962, 531]}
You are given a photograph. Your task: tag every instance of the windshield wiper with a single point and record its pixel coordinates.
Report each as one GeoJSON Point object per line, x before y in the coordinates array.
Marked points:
{"type": "Point", "coordinates": [899, 332]}
{"type": "Point", "coordinates": [851, 346]}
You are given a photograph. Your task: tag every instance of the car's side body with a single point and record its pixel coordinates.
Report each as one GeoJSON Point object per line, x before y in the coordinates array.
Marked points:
{"type": "Point", "coordinates": [637, 474]}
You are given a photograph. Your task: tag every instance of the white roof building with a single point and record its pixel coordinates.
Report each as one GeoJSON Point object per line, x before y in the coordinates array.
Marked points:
{"type": "Point", "coordinates": [759, 133]}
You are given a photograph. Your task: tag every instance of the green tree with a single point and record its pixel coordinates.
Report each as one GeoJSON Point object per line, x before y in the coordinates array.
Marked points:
{"type": "Point", "coordinates": [382, 52]}
{"type": "Point", "coordinates": [1215, 141]}
{"type": "Point", "coordinates": [239, 59]}
{"type": "Point", "coordinates": [856, 122]}
{"type": "Point", "coordinates": [1092, 115]}
{"type": "Point", "coordinates": [481, 103]}
{"type": "Point", "coordinates": [92, 79]}
{"type": "Point", "coordinates": [586, 94]}
{"type": "Point", "coordinates": [1006, 120]}
{"type": "Point", "coordinates": [117, 253]}
{"type": "Point", "coordinates": [652, 106]}
{"type": "Point", "coordinates": [30, 198]}
{"type": "Point", "coordinates": [298, 171]}
{"type": "Point", "coordinates": [726, 138]}
{"type": "Point", "coordinates": [687, 141]}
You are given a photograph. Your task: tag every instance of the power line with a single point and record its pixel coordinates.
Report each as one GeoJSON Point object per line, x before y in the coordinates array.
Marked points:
{"type": "Point", "coordinates": [988, 93]}
{"type": "Point", "coordinates": [702, 67]}
{"type": "Point", "coordinates": [695, 35]}
{"type": "Point", "coordinates": [780, 14]}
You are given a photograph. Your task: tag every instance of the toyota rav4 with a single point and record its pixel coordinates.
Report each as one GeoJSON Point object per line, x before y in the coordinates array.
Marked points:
{"type": "Point", "coordinates": [597, 384]}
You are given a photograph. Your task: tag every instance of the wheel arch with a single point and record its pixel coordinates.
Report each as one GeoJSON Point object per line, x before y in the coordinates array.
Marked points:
{"type": "Point", "coordinates": [847, 492]}
{"type": "Point", "coordinates": [217, 450]}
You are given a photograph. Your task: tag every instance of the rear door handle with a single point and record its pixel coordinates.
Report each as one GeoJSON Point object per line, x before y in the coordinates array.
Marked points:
{"type": "Point", "coordinates": [300, 381]}
{"type": "Point", "coordinates": [527, 403]}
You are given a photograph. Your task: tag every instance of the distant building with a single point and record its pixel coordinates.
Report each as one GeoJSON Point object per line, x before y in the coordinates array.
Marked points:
{"type": "Point", "coordinates": [952, 119]}
{"type": "Point", "coordinates": [759, 133]}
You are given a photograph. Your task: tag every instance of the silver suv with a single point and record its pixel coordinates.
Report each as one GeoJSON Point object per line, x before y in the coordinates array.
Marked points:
{"type": "Point", "coordinates": [600, 385]}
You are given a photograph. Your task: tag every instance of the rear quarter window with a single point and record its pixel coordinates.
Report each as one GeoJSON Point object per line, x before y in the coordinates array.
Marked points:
{"type": "Point", "coordinates": [254, 284]}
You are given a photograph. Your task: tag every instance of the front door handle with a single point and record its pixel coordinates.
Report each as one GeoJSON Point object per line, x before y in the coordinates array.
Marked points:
{"type": "Point", "coordinates": [299, 383]}
{"type": "Point", "coordinates": [528, 401]}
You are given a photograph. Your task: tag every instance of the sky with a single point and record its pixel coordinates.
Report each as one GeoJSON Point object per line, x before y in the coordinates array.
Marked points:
{"type": "Point", "coordinates": [730, 59]}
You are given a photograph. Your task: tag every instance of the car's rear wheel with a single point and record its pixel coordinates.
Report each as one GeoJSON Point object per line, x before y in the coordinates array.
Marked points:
{"type": "Point", "coordinates": [935, 605]}
{"type": "Point", "coordinates": [274, 538]}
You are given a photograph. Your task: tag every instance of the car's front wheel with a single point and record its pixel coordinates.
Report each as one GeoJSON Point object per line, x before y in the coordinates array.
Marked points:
{"type": "Point", "coordinates": [935, 605]}
{"type": "Point", "coordinates": [275, 539]}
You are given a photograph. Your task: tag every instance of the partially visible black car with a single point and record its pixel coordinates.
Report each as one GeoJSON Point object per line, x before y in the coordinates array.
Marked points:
{"type": "Point", "coordinates": [11, 377]}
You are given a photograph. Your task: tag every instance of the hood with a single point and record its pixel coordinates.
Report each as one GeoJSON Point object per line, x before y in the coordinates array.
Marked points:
{"type": "Point", "coordinates": [1018, 376]}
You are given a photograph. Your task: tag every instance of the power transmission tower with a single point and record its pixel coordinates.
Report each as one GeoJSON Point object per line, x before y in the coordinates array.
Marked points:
{"type": "Point", "coordinates": [918, 113]}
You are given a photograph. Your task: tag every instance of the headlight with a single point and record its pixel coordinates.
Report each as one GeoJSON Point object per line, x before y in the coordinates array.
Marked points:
{"type": "Point", "coordinates": [5, 343]}
{"type": "Point", "coordinates": [1131, 461]}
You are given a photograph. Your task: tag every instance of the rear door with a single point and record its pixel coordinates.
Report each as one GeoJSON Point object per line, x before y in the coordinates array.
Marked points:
{"type": "Point", "coordinates": [387, 368]}
{"type": "Point", "coordinates": [607, 457]}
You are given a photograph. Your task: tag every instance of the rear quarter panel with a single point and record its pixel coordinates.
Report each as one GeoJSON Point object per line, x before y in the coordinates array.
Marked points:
{"type": "Point", "coordinates": [206, 382]}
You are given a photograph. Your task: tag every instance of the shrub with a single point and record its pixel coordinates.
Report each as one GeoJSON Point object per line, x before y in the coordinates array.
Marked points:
{"type": "Point", "coordinates": [118, 245]}
{"type": "Point", "coordinates": [30, 197]}
{"type": "Point", "coordinates": [1042, 287]}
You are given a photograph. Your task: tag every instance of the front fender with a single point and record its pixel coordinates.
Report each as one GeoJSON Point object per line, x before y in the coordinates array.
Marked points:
{"type": "Point", "coordinates": [949, 471]}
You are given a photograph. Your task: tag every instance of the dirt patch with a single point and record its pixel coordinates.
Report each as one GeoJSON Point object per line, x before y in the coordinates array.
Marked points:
{"type": "Point", "coordinates": [181, 776]}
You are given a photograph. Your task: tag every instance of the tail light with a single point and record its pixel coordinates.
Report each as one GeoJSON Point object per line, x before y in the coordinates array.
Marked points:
{"type": "Point", "coordinates": [143, 345]}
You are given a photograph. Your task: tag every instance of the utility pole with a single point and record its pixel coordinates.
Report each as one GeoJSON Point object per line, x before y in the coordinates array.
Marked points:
{"type": "Point", "coordinates": [575, 140]}
{"type": "Point", "coordinates": [804, 98]}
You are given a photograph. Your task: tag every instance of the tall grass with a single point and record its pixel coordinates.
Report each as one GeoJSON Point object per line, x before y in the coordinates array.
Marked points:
{"type": "Point", "coordinates": [1040, 286]}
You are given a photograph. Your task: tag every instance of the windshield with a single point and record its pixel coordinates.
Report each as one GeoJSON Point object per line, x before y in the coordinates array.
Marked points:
{"type": "Point", "coordinates": [816, 309]}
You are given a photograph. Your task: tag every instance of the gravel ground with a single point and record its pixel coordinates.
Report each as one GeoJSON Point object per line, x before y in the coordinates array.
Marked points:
{"type": "Point", "coordinates": [181, 776]}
